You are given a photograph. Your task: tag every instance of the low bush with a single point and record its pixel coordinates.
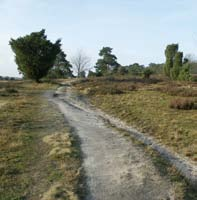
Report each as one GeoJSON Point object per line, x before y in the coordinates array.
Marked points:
{"type": "Point", "coordinates": [178, 91]}
{"type": "Point", "coordinates": [103, 91]}
{"type": "Point", "coordinates": [5, 92]}
{"type": "Point", "coordinates": [183, 104]}
{"type": "Point", "coordinates": [125, 86]}
{"type": "Point", "coordinates": [11, 90]}
{"type": "Point", "coordinates": [111, 90]}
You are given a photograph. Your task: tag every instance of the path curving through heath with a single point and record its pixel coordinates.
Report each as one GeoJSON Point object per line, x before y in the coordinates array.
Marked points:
{"type": "Point", "coordinates": [116, 168]}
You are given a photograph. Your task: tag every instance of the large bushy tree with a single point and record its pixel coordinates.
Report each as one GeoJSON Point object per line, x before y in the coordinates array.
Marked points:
{"type": "Point", "coordinates": [177, 65]}
{"type": "Point", "coordinates": [35, 54]}
{"type": "Point", "coordinates": [170, 52]}
{"type": "Point", "coordinates": [136, 69]}
{"type": "Point", "coordinates": [107, 64]}
{"type": "Point", "coordinates": [61, 68]}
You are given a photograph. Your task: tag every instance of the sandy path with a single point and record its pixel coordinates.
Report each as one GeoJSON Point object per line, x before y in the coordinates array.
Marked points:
{"type": "Point", "coordinates": [116, 169]}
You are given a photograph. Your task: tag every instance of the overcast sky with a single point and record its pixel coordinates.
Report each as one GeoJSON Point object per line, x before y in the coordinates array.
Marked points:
{"type": "Point", "coordinates": [137, 30]}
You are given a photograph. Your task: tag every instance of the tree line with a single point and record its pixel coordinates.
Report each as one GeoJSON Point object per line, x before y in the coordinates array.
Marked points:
{"type": "Point", "coordinates": [38, 57]}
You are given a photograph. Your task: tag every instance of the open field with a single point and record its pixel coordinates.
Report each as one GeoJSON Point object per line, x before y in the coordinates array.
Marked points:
{"type": "Point", "coordinates": [39, 158]}
{"type": "Point", "coordinates": [145, 105]}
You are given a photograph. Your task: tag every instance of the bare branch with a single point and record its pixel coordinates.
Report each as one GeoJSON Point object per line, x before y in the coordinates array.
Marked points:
{"type": "Point", "coordinates": [80, 62]}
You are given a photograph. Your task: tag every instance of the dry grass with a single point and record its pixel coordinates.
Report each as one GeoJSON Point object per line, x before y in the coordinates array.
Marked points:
{"type": "Point", "coordinates": [184, 104]}
{"type": "Point", "coordinates": [32, 134]}
{"type": "Point", "coordinates": [58, 191]}
{"type": "Point", "coordinates": [60, 144]}
{"type": "Point", "coordinates": [62, 148]}
{"type": "Point", "coordinates": [176, 89]}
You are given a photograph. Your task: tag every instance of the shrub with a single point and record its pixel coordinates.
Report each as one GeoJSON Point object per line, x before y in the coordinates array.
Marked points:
{"type": "Point", "coordinates": [131, 87]}
{"type": "Point", "coordinates": [185, 73]}
{"type": "Point", "coordinates": [11, 90]}
{"type": "Point", "coordinates": [4, 92]}
{"type": "Point", "coordinates": [184, 104]}
{"type": "Point", "coordinates": [111, 90]}
{"type": "Point", "coordinates": [147, 73]}
{"type": "Point", "coordinates": [178, 91]}
{"type": "Point", "coordinates": [103, 91]}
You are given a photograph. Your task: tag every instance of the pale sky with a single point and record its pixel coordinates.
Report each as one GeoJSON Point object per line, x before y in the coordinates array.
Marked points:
{"type": "Point", "coordinates": [137, 30]}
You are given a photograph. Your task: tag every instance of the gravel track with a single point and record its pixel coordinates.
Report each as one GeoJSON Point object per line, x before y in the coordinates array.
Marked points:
{"type": "Point", "coordinates": [116, 169]}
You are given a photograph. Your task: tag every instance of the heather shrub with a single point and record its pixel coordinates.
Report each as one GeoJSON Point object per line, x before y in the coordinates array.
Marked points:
{"type": "Point", "coordinates": [182, 104]}
{"type": "Point", "coordinates": [126, 86]}
{"type": "Point", "coordinates": [178, 91]}
{"type": "Point", "coordinates": [8, 92]}
{"type": "Point", "coordinates": [11, 90]}
{"type": "Point", "coordinates": [103, 91]}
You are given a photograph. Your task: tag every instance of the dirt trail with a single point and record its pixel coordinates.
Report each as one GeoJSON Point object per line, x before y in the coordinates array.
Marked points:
{"type": "Point", "coordinates": [115, 167]}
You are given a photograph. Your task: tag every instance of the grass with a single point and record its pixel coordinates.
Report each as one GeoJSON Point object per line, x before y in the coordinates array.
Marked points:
{"type": "Point", "coordinates": [147, 109]}
{"type": "Point", "coordinates": [33, 164]}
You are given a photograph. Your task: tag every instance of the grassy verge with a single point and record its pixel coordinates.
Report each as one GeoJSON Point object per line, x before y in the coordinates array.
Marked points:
{"type": "Point", "coordinates": [39, 158]}
{"type": "Point", "coordinates": [145, 106]}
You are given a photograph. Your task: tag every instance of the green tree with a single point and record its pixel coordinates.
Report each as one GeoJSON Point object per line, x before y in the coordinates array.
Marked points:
{"type": "Point", "coordinates": [61, 68]}
{"type": "Point", "coordinates": [122, 70]}
{"type": "Point", "coordinates": [170, 52]}
{"type": "Point", "coordinates": [147, 73]}
{"type": "Point", "coordinates": [177, 65]}
{"type": "Point", "coordinates": [185, 74]}
{"type": "Point", "coordinates": [136, 69]}
{"type": "Point", "coordinates": [156, 68]}
{"type": "Point", "coordinates": [108, 63]}
{"type": "Point", "coordinates": [35, 54]}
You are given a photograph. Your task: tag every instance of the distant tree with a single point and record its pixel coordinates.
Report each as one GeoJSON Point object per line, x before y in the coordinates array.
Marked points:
{"type": "Point", "coordinates": [91, 74]}
{"type": "Point", "coordinates": [61, 68]}
{"type": "Point", "coordinates": [108, 63]}
{"type": "Point", "coordinates": [34, 54]}
{"type": "Point", "coordinates": [177, 65]}
{"type": "Point", "coordinates": [170, 52]}
{"type": "Point", "coordinates": [156, 68]}
{"type": "Point", "coordinates": [136, 69]}
{"type": "Point", "coordinates": [81, 63]}
{"type": "Point", "coordinates": [147, 73]}
{"type": "Point", "coordinates": [122, 70]}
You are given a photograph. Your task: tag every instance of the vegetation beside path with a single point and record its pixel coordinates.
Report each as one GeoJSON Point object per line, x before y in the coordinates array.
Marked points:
{"type": "Point", "coordinates": [147, 106]}
{"type": "Point", "coordinates": [39, 158]}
